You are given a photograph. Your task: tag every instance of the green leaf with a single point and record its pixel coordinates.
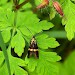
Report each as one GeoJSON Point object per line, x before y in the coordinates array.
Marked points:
{"type": "Point", "coordinates": [44, 42]}
{"type": "Point", "coordinates": [6, 23]}
{"type": "Point", "coordinates": [6, 35]}
{"type": "Point", "coordinates": [70, 63]}
{"type": "Point", "coordinates": [73, 1]}
{"type": "Point", "coordinates": [67, 67]}
{"type": "Point", "coordinates": [3, 70]}
{"type": "Point", "coordinates": [29, 24]}
{"type": "Point", "coordinates": [45, 65]}
{"type": "Point", "coordinates": [20, 71]}
{"type": "Point", "coordinates": [26, 6]}
{"type": "Point", "coordinates": [38, 2]}
{"type": "Point", "coordinates": [16, 64]}
{"type": "Point", "coordinates": [6, 5]}
{"type": "Point", "coordinates": [33, 73]}
{"type": "Point", "coordinates": [18, 43]}
{"type": "Point", "coordinates": [45, 25]}
{"type": "Point", "coordinates": [62, 69]}
{"type": "Point", "coordinates": [1, 58]}
{"type": "Point", "coordinates": [6, 16]}
{"type": "Point", "coordinates": [32, 63]}
{"type": "Point", "coordinates": [52, 13]}
{"type": "Point", "coordinates": [69, 19]}
{"type": "Point", "coordinates": [3, 2]}
{"type": "Point", "coordinates": [3, 47]}
{"type": "Point", "coordinates": [24, 27]}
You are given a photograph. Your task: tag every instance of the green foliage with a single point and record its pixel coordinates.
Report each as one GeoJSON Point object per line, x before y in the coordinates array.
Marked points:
{"type": "Point", "coordinates": [6, 22]}
{"type": "Point", "coordinates": [28, 28]}
{"type": "Point", "coordinates": [45, 65]}
{"type": "Point", "coordinates": [3, 2]}
{"type": "Point", "coordinates": [26, 25]}
{"type": "Point", "coordinates": [67, 68]}
{"type": "Point", "coordinates": [69, 18]}
{"type": "Point", "coordinates": [18, 43]}
{"type": "Point", "coordinates": [47, 42]}
{"type": "Point", "coordinates": [20, 25]}
{"type": "Point", "coordinates": [2, 45]}
{"type": "Point", "coordinates": [46, 59]}
{"type": "Point", "coordinates": [52, 13]}
{"type": "Point", "coordinates": [15, 65]}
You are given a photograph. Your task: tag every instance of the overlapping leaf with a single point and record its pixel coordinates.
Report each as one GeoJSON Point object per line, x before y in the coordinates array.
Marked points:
{"type": "Point", "coordinates": [69, 18]}
{"type": "Point", "coordinates": [6, 33]}
{"type": "Point", "coordinates": [15, 64]}
{"type": "Point", "coordinates": [26, 6]}
{"type": "Point", "coordinates": [67, 68]}
{"type": "Point", "coordinates": [3, 2]}
{"type": "Point", "coordinates": [6, 23]}
{"type": "Point", "coordinates": [1, 58]}
{"type": "Point", "coordinates": [70, 63]}
{"type": "Point", "coordinates": [44, 42]}
{"type": "Point", "coordinates": [3, 70]}
{"type": "Point", "coordinates": [45, 65]}
{"type": "Point", "coordinates": [29, 24]}
{"type": "Point", "coordinates": [38, 2]}
{"type": "Point", "coordinates": [3, 66]}
{"type": "Point", "coordinates": [52, 13]}
{"type": "Point", "coordinates": [3, 47]}
{"type": "Point", "coordinates": [18, 43]}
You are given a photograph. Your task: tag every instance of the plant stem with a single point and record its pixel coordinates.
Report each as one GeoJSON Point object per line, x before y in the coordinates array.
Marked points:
{"type": "Point", "coordinates": [20, 5]}
{"type": "Point", "coordinates": [56, 34]}
{"type": "Point", "coordinates": [2, 45]}
{"type": "Point", "coordinates": [13, 30]}
{"type": "Point", "coordinates": [15, 18]}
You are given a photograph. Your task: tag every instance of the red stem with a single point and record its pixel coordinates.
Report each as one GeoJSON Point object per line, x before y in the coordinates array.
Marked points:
{"type": "Point", "coordinates": [20, 5]}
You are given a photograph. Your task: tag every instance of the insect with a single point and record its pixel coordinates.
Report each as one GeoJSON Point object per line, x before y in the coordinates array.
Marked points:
{"type": "Point", "coordinates": [58, 8]}
{"type": "Point", "coordinates": [33, 48]}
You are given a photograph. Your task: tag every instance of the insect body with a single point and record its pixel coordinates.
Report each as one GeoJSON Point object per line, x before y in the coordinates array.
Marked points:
{"type": "Point", "coordinates": [33, 49]}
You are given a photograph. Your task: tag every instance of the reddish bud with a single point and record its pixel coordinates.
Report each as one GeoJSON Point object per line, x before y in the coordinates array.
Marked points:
{"type": "Point", "coordinates": [58, 8]}
{"type": "Point", "coordinates": [43, 4]}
